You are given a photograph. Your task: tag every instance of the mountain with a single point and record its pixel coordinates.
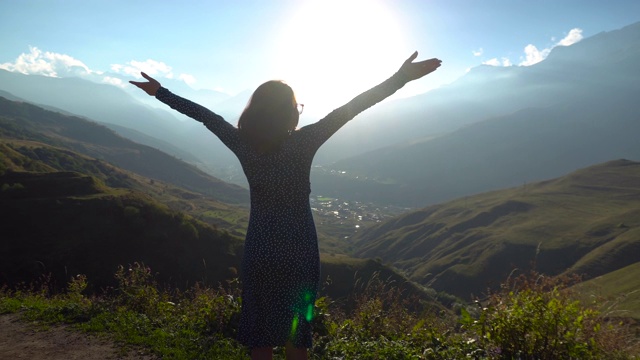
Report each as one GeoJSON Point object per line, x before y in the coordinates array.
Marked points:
{"type": "Point", "coordinates": [572, 81]}
{"type": "Point", "coordinates": [587, 222]}
{"type": "Point", "coordinates": [29, 122]}
{"type": "Point", "coordinates": [58, 224]}
{"type": "Point", "coordinates": [577, 108]}
{"type": "Point", "coordinates": [592, 66]}
{"type": "Point", "coordinates": [112, 105]}
{"type": "Point", "coordinates": [529, 145]}
{"type": "Point", "coordinates": [67, 223]}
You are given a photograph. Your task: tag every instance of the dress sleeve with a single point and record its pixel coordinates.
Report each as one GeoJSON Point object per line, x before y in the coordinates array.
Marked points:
{"type": "Point", "coordinates": [316, 134]}
{"type": "Point", "coordinates": [226, 132]}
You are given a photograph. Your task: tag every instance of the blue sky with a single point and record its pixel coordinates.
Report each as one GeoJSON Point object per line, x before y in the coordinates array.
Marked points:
{"type": "Point", "coordinates": [327, 50]}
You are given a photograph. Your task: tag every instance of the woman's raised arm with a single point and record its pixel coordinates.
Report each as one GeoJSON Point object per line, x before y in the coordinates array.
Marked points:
{"type": "Point", "coordinates": [214, 122]}
{"type": "Point", "coordinates": [322, 130]}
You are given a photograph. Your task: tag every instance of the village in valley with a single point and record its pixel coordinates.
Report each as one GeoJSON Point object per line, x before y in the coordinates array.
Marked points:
{"type": "Point", "coordinates": [349, 215]}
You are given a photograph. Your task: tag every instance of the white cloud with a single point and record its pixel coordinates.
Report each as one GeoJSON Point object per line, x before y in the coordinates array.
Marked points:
{"type": "Point", "coordinates": [492, 62]}
{"type": "Point", "coordinates": [495, 62]}
{"type": "Point", "coordinates": [37, 62]}
{"type": "Point", "coordinates": [534, 56]}
{"type": "Point", "coordinates": [189, 79]}
{"type": "Point", "coordinates": [573, 37]}
{"type": "Point", "coordinates": [149, 66]}
{"type": "Point", "coordinates": [113, 81]}
{"type": "Point", "coordinates": [152, 68]}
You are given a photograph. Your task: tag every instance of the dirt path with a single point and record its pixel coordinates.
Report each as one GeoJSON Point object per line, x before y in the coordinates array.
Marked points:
{"type": "Point", "coordinates": [22, 340]}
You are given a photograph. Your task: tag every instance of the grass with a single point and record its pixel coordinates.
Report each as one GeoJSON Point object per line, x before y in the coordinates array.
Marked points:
{"type": "Point", "coordinates": [20, 155]}
{"type": "Point", "coordinates": [620, 287]}
{"type": "Point", "coordinates": [532, 317]}
{"type": "Point", "coordinates": [586, 222]}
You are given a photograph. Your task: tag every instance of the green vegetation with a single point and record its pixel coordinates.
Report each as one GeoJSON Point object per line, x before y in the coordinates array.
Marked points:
{"type": "Point", "coordinates": [620, 288]}
{"type": "Point", "coordinates": [69, 223]}
{"type": "Point", "coordinates": [586, 223]}
{"type": "Point", "coordinates": [530, 318]}
{"type": "Point", "coordinates": [24, 122]}
{"type": "Point", "coordinates": [27, 156]}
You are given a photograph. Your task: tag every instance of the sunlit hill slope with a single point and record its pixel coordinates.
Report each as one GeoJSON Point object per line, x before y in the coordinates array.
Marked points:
{"type": "Point", "coordinates": [26, 121]}
{"type": "Point", "coordinates": [587, 222]}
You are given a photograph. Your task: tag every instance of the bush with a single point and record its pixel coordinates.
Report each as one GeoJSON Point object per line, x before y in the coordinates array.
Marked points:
{"type": "Point", "coordinates": [538, 317]}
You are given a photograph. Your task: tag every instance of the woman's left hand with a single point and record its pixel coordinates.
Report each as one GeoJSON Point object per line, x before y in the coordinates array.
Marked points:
{"type": "Point", "coordinates": [150, 87]}
{"type": "Point", "coordinates": [416, 70]}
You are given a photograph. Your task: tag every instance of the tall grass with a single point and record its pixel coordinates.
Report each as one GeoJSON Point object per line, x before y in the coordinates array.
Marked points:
{"type": "Point", "coordinates": [531, 317]}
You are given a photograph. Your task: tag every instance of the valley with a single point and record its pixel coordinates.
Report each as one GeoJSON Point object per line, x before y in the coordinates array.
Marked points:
{"type": "Point", "coordinates": [507, 168]}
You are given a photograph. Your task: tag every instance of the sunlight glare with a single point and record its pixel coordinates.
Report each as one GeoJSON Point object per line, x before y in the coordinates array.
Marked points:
{"type": "Point", "coordinates": [332, 50]}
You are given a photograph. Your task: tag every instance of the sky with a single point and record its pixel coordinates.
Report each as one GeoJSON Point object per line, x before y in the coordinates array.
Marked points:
{"type": "Point", "coordinates": [327, 50]}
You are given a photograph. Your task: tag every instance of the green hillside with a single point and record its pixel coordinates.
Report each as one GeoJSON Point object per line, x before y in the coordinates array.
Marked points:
{"type": "Point", "coordinates": [67, 223]}
{"type": "Point", "coordinates": [22, 121]}
{"type": "Point", "coordinates": [620, 287]}
{"type": "Point", "coordinates": [23, 155]}
{"type": "Point", "coordinates": [587, 222]}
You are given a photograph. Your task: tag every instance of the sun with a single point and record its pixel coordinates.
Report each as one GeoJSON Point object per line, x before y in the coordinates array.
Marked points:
{"type": "Point", "coordinates": [331, 50]}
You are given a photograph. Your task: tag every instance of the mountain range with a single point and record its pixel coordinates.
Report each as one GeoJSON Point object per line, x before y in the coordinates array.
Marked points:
{"type": "Point", "coordinates": [508, 130]}
{"type": "Point", "coordinates": [496, 127]}
{"type": "Point", "coordinates": [422, 149]}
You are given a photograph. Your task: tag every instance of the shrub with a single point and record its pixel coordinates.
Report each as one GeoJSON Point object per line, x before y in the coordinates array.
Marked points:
{"type": "Point", "coordinates": [538, 317]}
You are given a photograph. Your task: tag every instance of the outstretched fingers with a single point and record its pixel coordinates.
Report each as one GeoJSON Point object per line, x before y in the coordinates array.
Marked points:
{"type": "Point", "coordinates": [431, 63]}
{"type": "Point", "coordinates": [415, 70]}
{"type": "Point", "coordinates": [150, 86]}
{"type": "Point", "coordinates": [411, 58]}
{"type": "Point", "coordinates": [144, 75]}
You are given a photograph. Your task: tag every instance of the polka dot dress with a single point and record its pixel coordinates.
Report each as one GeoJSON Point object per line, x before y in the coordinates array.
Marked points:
{"type": "Point", "coordinates": [281, 265]}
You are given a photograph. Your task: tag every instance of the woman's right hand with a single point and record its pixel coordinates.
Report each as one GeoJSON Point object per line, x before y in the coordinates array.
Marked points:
{"type": "Point", "coordinates": [150, 86]}
{"type": "Point", "coordinates": [416, 70]}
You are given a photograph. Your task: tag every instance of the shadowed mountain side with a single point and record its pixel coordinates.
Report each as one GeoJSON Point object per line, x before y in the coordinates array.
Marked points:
{"type": "Point", "coordinates": [67, 223]}
{"type": "Point", "coordinates": [343, 276]}
{"type": "Point", "coordinates": [9, 96]}
{"type": "Point", "coordinates": [529, 145]}
{"type": "Point", "coordinates": [608, 60]}
{"type": "Point", "coordinates": [29, 122]}
{"type": "Point", "coordinates": [585, 222]}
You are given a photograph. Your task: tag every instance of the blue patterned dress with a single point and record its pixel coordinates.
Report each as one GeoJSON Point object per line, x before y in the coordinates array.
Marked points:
{"type": "Point", "coordinates": [281, 265]}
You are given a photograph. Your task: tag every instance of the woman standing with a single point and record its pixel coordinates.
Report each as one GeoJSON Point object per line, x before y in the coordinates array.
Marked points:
{"type": "Point", "coordinates": [281, 264]}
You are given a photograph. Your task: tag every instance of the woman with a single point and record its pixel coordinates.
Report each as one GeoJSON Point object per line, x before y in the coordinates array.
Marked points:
{"type": "Point", "coordinates": [281, 267]}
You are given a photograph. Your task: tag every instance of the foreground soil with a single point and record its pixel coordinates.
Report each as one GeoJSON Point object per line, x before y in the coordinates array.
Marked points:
{"type": "Point", "coordinates": [24, 340]}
